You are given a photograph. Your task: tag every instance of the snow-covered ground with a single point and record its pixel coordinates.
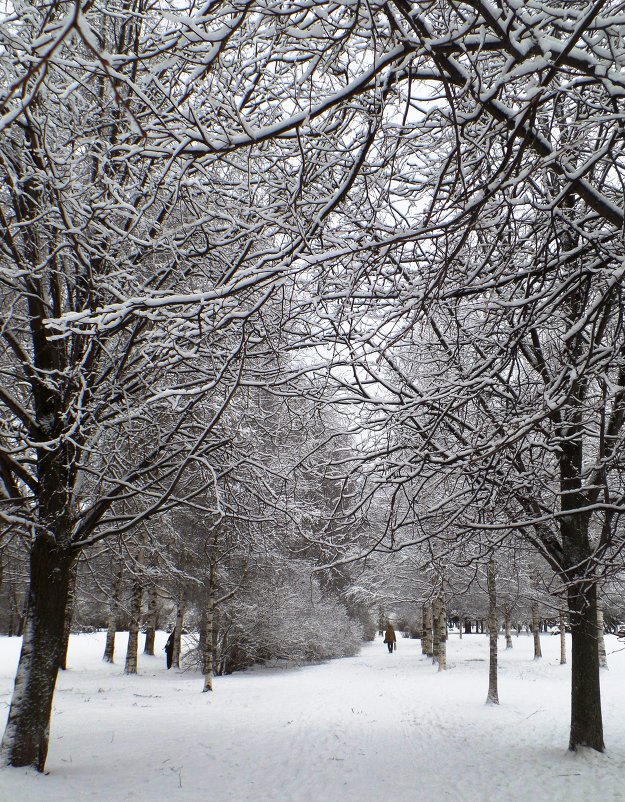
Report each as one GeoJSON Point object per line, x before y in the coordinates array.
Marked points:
{"type": "Point", "coordinates": [370, 728]}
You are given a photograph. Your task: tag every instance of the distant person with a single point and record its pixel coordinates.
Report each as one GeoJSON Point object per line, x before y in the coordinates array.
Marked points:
{"type": "Point", "coordinates": [390, 638]}
{"type": "Point", "coordinates": [169, 648]}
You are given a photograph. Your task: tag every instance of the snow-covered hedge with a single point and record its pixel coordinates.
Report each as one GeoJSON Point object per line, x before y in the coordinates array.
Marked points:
{"type": "Point", "coordinates": [282, 615]}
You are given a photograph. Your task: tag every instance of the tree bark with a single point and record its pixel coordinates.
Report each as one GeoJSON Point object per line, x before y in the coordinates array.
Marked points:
{"type": "Point", "coordinates": [207, 656]}
{"type": "Point", "coordinates": [536, 631]}
{"type": "Point", "coordinates": [427, 646]}
{"type": "Point", "coordinates": [493, 633]}
{"type": "Point", "coordinates": [586, 719]}
{"type": "Point", "coordinates": [69, 614]}
{"type": "Point", "coordinates": [175, 661]}
{"type": "Point", "coordinates": [507, 627]}
{"type": "Point", "coordinates": [150, 621]}
{"type": "Point", "coordinates": [603, 658]}
{"type": "Point", "coordinates": [25, 741]}
{"type": "Point", "coordinates": [109, 647]}
{"type": "Point", "coordinates": [133, 627]}
{"type": "Point", "coordinates": [441, 626]}
{"type": "Point", "coordinates": [562, 641]}
{"type": "Point", "coordinates": [435, 629]}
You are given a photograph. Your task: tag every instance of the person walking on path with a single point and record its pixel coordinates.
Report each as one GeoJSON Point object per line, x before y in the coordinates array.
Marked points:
{"type": "Point", "coordinates": [390, 638]}
{"type": "Point", "coordinates": [169, 648]}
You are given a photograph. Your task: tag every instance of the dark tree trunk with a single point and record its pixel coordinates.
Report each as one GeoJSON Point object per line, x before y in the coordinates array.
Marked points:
{"type": "Point", "coordinates": [150, 621]}
{"type": "Point", "coordinates": [25, 741]}
{"type": "Point", "coordinates": [586, 719]}
{"type": "Point", "coordinates": [578, 563]}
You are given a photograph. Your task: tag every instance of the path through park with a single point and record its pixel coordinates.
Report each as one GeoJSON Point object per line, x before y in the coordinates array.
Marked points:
{"type": "Point", "coordinates": [371, 728]}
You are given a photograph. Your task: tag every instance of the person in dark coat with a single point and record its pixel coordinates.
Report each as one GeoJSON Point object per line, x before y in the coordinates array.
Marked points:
{"type": "Point", "coordinates": [169, 648]}
{"type": "Point", "coordinates": [390, 638]}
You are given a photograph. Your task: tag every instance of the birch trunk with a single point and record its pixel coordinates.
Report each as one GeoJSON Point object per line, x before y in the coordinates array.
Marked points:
{"type": "Point", "coordinates": [562, 641]}
{"type": "Point", "coordinates": [207, 656]}
{"type": "Point", "coordinates": [493, 627]}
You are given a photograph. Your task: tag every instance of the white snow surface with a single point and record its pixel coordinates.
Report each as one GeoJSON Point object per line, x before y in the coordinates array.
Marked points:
{"type": "Point", "coordinates": [369, 728]}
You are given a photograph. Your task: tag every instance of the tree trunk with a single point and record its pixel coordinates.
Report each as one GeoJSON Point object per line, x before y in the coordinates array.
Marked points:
{"type": "Point", "coordinates": [175, 661]}
{"type": "Point", "coordinates": [441, 626]}
{"type": "Point", "coordinates": [586, 719]}
{"type": "Point", "coordinates": [507, 627]}
{"type": "Point", "coordinates": [25, 741]}
{"type": "Point", "coordinates": [69, 614]}
{"type": "Point", "coordinates": [133, 627]}
{"type": "Point", "coordinates": [603, 658]}
{"type": "Point", "coordinates": [427, 646]}
{"type": "Point", "coordinates": [150, 621]}
{"type": "Point", "coordinates": [493, 633]}
{"type": "Point", "coordinates": [536, 631]}
{"type": "Point", "coordinates": [207, 656]}
{"type": "Point", "coordinates": [435, 629]}
{"type": "Point", "coordinates": [562, 641]}
{"type": "Point", "coordinates": [109, 648]}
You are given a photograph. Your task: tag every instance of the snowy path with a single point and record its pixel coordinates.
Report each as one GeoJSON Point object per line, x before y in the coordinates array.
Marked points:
{"type": "Point", "coordinates": [364, 729]}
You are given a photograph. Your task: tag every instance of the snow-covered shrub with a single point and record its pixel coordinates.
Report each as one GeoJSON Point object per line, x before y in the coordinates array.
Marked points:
{"type": "Point", "coordinates": [282, 614]}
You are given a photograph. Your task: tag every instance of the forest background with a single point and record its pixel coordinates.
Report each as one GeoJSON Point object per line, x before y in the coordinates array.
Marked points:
{"type": "Point", "coordinates": [309, 309]}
